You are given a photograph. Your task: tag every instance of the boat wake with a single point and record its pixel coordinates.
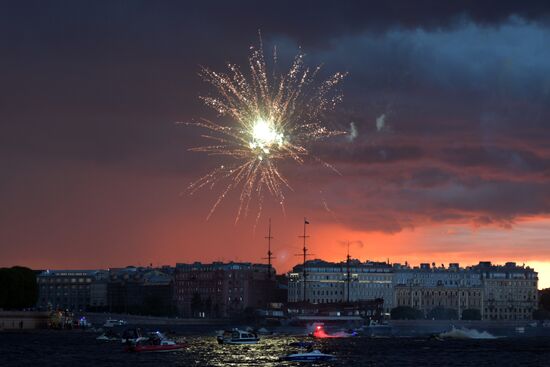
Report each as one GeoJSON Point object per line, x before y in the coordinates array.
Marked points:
{"type": "Point", "coordinates": [319, 332]}
{"type": "Point", "coordinates": [465, 333]}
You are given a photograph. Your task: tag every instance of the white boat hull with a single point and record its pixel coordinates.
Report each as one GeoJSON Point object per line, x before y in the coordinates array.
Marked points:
{"type": "Point", "coordinates": [237, 337]}
{"type": "Point", "coordinates": [308, 357]}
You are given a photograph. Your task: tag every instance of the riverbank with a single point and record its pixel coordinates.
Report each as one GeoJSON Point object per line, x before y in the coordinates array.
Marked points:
{"type": "Point", "coordinates": [399, 327]}
{"type": "Point", "coordinates": [23, 320]}
{"type": "Point", "coordinates": [27, 320]}
{"type": "Point", "coordinates": [100, 318]}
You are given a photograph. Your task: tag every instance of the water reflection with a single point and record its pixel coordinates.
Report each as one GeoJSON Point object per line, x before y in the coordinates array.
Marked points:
{"type": "Point", "coordinates": [206, 351]}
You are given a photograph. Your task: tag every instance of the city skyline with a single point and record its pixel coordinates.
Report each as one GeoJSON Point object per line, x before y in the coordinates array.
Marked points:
{"type": "Point", "coordinates": [297, 263]}
{"type": "Point", "coordinates": [446, 157]}
{"type": "Point", "coordinates": [495, 291]}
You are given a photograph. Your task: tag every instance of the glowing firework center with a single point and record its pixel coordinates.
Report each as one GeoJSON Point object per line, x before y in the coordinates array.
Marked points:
{"type": "Point", "coordinates": [265, 137]}
{"type": "Point", "coordinates": [274, 115]}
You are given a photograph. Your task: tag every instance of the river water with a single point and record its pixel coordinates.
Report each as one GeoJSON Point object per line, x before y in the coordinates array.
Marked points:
{"type": "Point", "coordinates": [77, 348]}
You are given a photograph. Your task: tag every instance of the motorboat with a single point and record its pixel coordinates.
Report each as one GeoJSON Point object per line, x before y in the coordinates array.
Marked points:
{"type": "Point", "coordinates": [313, 356]}
{"type": "Point", "coordinates": [237, 336]}
{"type": "Point", "coordinates": [164, 346]}
{"type": "Point", "coordinates": [156, 342]}
{"type": "Point", "coordinates": [320, 333]}
{"type": "Point", "coordinates": [83, 323]}
{"type": "Point", "coordinates": [104, 337]}
{"type": "Point", "coordinates": [112, 323]}
{"type": "Point", "coordinates": [264, 331]}
{"type": "Point", "coordinates": [132, 336]}
{"type": "Point", "coordinates": [376, 329]}
{"type": "Point", "coordinates": [109, 335]}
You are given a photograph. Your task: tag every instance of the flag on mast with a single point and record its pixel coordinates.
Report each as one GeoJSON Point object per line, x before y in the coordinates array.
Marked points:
{"type": "Point", "coordinates": [306, 221]}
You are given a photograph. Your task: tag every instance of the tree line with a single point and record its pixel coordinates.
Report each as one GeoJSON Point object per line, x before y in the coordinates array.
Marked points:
{"type": "Point", "coordinates": [18, 288]}
{"type": "Point", "coordinates": [543, 313]}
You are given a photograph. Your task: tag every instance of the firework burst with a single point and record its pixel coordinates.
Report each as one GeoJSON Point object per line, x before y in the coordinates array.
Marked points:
{"type": "Point", "coordinates": [273, 117]}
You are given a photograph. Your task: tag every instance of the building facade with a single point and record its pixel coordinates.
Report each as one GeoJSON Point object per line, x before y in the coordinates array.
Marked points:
{"type": "Point", "coordinates": [353, 281]}
{"type": "Point", "coordinates": [222, 289]}
{"type": "Point", "coordinates": [141, 290]}
{"type": "Point", "coordinates": [67, 289]}
{"type": "Point", "coordinates": [98, 291]}
{"type": "Point", "coordinates": [510, 291]}
{"type": "Point", "coordinates": [507, 292]}
{"type": "Point", "coordinates": [427, 287]}
{"type": "Point", "coordinates": [427, 299]}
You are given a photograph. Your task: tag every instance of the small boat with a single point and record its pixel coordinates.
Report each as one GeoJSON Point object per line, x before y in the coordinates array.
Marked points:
{"type": "Point", "coordinates": [376, 329]}
{"type": "Point", "coordinates": [112, 323]}
{"type": "Point", "coordinates": [107, 337]}
{"type": "Point", "coordinates": [320, 333]}
{"type": "Point", "coordinates": [312, 356]}
{"type": "Point", "coordinates": [237, 336]}
{"type": "Point", "coordinates": [156, 342]}
{"type": "Point", "coordinates": [264, 331]}
{"type": "Point", "coordinates": [168, 346]}
{"type": "Point", "coordinates": [83, 323]}
{"type": "Point", "coordinates": [132, 336]}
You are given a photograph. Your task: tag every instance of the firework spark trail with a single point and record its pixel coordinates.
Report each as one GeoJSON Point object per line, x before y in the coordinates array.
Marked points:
{"type": "Point", "coordinates": [274, 117]}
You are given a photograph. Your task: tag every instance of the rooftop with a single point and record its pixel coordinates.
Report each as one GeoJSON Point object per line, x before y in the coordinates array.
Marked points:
{"type": "Point", "coordinates": [70, 273]}
{"type": "Point", "coordinates": [221, 266]}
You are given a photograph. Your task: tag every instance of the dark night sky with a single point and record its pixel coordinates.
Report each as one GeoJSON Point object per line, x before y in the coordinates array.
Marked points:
{"type": "Point", "coordinates": [451, 101]}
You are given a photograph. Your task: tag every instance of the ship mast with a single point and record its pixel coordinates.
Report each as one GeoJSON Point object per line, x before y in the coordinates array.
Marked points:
{"type": "Point", "coordinates": [269, 257]}
{"type": "Point", "coordinates": [348, 278]}
{"type": "Point", "coordinates": [304, 254]}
